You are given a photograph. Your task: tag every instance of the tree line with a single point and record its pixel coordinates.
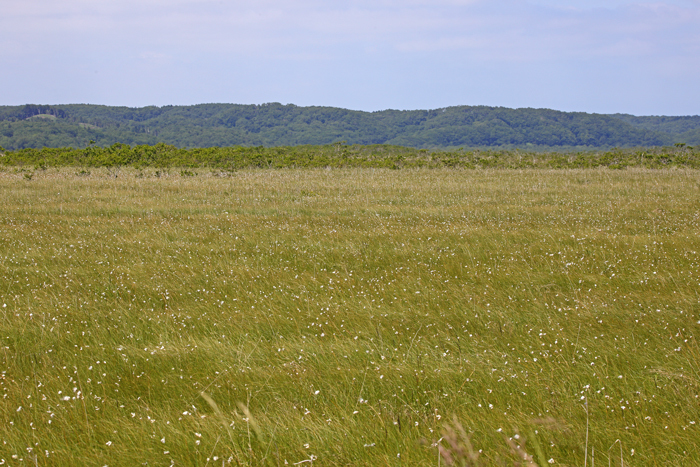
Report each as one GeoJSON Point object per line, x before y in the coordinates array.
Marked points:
{"type": "Point", "coordinates": [269, 125]}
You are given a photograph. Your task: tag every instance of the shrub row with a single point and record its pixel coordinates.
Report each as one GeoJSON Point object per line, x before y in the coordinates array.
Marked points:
{"type": "Point", "coordinates": [340, 155]}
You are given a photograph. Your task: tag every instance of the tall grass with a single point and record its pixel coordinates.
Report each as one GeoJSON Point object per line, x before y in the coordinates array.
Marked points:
{"type": "Point", "coordinates": [349, 317]}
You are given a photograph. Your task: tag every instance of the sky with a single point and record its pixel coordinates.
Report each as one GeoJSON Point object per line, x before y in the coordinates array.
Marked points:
{"type": "Point", "coordinates": [597, 56]}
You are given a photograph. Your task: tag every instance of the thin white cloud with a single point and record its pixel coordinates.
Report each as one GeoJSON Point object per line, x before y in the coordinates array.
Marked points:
{"type": "Point", "coordinates": [200, 39]}
{"type": "Point", "coordinates": [266, 25]}
{"type": "Point", "coordinates": [525, 35]}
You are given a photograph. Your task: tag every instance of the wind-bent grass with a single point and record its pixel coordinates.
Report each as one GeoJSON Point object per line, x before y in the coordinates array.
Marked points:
{"type": "Point", "coordinates": [349, 317]}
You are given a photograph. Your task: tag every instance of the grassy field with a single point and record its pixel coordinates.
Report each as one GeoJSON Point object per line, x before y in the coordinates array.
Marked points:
{"type": "Point", "coordinates": [350, 317]}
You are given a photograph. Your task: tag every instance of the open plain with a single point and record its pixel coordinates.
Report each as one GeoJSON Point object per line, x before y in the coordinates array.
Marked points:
{"type": "Point", "coordinates": [350, 317]}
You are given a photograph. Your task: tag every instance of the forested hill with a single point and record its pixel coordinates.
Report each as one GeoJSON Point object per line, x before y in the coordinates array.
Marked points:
{"type": "Point", "coordinates": [209, 125]}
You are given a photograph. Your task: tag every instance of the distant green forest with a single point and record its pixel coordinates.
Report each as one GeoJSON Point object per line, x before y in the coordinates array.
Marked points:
{"type": "Point", "coordinates": [273, 125]}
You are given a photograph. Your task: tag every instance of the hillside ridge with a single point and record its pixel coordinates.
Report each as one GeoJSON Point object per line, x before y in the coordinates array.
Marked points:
{"type": "Point", "coordinates": [275, 124]}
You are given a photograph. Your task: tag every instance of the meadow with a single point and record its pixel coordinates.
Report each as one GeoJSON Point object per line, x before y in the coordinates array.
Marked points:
{"type": "Point", "coordinates": [349, 317]}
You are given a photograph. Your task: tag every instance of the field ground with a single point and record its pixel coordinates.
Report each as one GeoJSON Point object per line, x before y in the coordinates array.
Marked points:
{"type": "Point", "coordinates": [350, 317]}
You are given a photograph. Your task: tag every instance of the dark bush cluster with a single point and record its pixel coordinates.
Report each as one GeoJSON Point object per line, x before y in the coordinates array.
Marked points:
{"type": "Point", "coordinates": [342, 155]}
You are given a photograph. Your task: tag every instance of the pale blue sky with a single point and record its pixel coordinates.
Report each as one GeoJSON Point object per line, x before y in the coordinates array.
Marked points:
{"type": "Point", "coordinates": [595, 56]}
